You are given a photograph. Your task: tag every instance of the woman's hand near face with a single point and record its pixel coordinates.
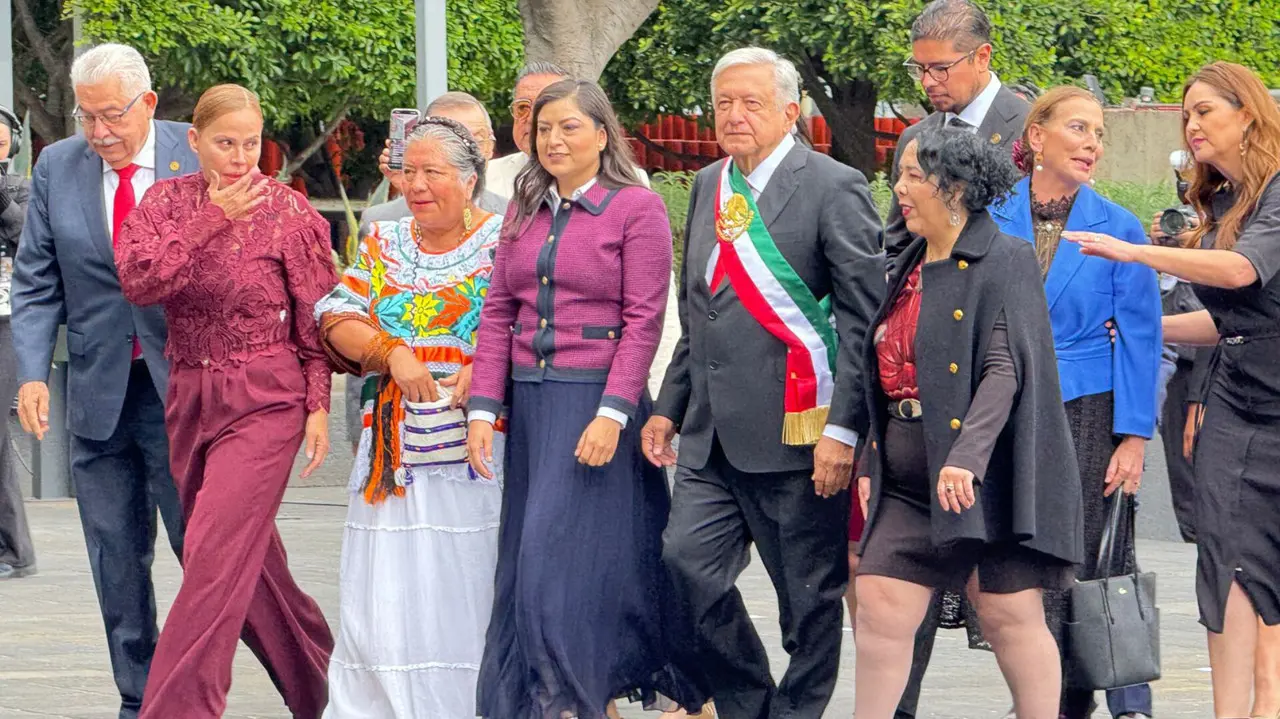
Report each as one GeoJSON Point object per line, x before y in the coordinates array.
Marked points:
{"type": "Point", "coordinates": [239, 198]}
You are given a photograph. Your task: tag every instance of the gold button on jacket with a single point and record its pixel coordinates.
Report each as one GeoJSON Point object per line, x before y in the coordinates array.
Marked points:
{"type": "Point", "coordinates": [962, 264]}
{"type": "Point", "coordinates": [958, 314]}
{"type": "Point", "coordinates": [953, 367]}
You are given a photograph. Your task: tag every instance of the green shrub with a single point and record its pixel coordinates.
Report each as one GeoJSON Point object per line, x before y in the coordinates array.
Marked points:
{"type": "Point", "coordinates": [675, 188]}
{"type": "Point", "coordinates": [1143, 200]}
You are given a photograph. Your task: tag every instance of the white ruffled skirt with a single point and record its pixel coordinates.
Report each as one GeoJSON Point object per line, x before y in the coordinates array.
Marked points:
{"type": "Point", "coordinates": [415, 594]}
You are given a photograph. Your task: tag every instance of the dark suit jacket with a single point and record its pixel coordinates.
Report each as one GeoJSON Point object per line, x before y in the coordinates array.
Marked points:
{"type": "Point", "coordinates": [1030, 493]}
{"type": "Point", "coordinates": [726, 376]}
{"type": "Point", "coordinates": [1002, 126]}
{"type": "Point", "coordinates": [65, 271]}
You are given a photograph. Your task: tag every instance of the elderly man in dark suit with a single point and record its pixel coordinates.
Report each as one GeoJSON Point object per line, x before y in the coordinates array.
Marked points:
{"type": "Point", "coordinates": [766, 392]}
{"type": "Point", "coordinates": [82, 189]}
{"type": "Point", "coordinates": [951, 59]}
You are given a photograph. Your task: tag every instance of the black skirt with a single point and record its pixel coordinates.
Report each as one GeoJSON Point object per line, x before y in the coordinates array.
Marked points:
{"type": "Point", "coordinates": [1091, 418]}
{"type": "Point", "coordinates": [1237, 497]}
{"type": "Point", "coordinates": [900, 543]}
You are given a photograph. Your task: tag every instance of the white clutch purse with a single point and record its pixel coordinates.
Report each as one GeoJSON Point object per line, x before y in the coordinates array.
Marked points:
{"type": "Point", "coordinates": [435, 434]}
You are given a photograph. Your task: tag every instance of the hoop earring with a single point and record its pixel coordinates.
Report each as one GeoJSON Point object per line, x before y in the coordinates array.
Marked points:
{"type": "Point", "coordinates": [1039, 162]}
{"type": "Point", "coordinates": [466, 218]}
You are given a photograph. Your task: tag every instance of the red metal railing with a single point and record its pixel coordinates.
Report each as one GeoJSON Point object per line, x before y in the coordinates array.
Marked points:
{"type": "Point", "coordinates": [688, 137]}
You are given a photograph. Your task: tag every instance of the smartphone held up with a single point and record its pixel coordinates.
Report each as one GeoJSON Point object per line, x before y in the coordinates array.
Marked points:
{"type": "Point", "coordinates": [403, 121]}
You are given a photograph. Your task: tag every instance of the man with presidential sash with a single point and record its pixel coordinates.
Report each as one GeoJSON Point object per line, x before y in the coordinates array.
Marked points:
{"type": "Point", "coordinates": [782, 274]}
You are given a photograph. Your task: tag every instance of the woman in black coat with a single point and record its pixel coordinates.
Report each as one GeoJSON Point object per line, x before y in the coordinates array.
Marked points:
{"type": "Point", "coordinates": [969, 479]}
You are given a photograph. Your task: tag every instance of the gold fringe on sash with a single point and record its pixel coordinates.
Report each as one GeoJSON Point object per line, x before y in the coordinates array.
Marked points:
{"type": "Point", "coordinates": [802, 428]}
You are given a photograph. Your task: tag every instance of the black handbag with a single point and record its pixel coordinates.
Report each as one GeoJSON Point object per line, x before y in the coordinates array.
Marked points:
{"type": "Point", "coordinates": [1113, 638]}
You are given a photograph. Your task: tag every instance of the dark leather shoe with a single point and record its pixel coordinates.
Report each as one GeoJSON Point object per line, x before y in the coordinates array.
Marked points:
{"type": "Point", "coordinates": [8, 571]}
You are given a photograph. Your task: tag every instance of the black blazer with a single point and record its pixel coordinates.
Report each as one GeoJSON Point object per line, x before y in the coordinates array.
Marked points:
{"type": "Point", "coordinates": [726, 377]}
{"type": "Point", "coordinates": [1001, 127]}
{"type": "Point", "coordinates": [1031, 492]}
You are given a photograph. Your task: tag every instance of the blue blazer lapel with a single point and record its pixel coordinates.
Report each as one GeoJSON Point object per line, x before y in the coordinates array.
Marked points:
{"type": "Point", "coordinates": [1013, 213]}
{"type": "Point", "coordinates": [1087, 213]}
{"type": "Point", "coordinates": [89, 188]}
{"type": "Point", "coordinates": [171, 160]}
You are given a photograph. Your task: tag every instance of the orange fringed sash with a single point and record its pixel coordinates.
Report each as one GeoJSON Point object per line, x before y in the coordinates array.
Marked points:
{"type": "Point", "coordinates": [384, 456]}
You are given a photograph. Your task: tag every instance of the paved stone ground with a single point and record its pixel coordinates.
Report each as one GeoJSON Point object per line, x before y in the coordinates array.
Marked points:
{"type": "Point", "coordinates": [53, 660]}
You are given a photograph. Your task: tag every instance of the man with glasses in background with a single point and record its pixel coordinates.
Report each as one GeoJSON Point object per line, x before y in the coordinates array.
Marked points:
{"type": "Point", "coordinates": [82, 189]}
{"type": "Point", "coordinates": [951, 59]}
{"type": "Point", "coordinates": [500, 177]}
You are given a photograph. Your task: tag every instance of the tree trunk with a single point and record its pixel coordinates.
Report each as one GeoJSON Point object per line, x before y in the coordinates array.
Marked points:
{"type": "Point", "coordinates": [45, 53]}
{"type": "Point", "coordinates": [580, 35]}
{"type": "Point", "coordinates": [850, 112]}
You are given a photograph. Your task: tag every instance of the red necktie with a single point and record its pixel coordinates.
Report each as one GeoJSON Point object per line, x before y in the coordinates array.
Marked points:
{"type": "Point", "coordinates": [121, 207]}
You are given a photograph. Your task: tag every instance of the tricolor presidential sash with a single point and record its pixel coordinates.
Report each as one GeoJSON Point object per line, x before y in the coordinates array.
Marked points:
{"type": "Point", "coordinates": [780, 301]}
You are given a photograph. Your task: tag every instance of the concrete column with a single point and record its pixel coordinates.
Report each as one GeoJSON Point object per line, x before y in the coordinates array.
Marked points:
{"type": "Point", "coordinates": [433, 58]}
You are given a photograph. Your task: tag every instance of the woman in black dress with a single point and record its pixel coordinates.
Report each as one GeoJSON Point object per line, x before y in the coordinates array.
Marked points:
{"type": "Point", "coordinates": [1232, 127]}
{"type": "Point", "coordinates": [969, 477]}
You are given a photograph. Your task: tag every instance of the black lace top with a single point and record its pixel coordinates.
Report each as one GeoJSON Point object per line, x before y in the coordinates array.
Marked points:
{"type": "Point", "coordinates": [1049, 219]}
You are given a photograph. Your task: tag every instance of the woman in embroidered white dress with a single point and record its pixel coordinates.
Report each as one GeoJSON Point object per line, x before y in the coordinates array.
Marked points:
{"type": "Point", "coordinates": [421, 537]}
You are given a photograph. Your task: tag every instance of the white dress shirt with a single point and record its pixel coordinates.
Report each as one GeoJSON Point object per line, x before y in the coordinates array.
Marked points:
{"type": "Point", "coordinates": [142, 181]}
{"type": "Point", "coordinates": [757, 181]}
{"type": "Point", "coordinates": [500, 174]}
{"type": "Point", "coordinates": [975, 112]}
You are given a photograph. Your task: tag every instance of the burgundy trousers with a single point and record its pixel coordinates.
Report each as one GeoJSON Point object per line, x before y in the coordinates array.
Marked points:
{"type": "Point", "coordinates": [233, 435]}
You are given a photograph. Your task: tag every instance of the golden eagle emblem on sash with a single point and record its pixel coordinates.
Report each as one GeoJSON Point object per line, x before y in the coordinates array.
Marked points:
{"type": "Point", "coordinates": [734, 219]}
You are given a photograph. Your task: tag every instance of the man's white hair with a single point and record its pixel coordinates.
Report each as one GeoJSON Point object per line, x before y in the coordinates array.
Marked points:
{"type": "Point", "coordinates": [104, 62]}
{"type": "Point", "coordinates": [786, 78]}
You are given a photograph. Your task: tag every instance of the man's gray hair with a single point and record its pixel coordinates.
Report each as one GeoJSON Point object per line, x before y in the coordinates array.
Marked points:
{"type": "Point", "coordinates": [457, 100]}
{"type": "Point", "coordinates": [460, 148]}
{"type": "Point", "coordinates": [785, 77]}
{"type": "Point", "coordinates": [542, 67]}
{"type": "Point", "coordinates": [104, 62]}
{"type": "Point", "coordinates": [960, 22]}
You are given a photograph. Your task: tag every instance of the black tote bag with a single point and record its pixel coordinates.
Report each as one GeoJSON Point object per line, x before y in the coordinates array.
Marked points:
{"type": "Point", "coordinates": [1113, 638]}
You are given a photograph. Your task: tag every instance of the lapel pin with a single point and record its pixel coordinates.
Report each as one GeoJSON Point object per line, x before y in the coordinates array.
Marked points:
{"type": "Point", "coordinates": [995, 139]}
{"type": "Point", "coordinates": [174, 165]}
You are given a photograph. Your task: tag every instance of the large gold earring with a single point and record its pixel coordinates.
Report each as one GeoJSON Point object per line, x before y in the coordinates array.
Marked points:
{"type": "Point", "coordinates": [466, 218]}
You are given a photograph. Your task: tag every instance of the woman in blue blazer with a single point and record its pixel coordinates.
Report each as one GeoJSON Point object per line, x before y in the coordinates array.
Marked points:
{"type": "Point", "coordinates": [1109, 384]}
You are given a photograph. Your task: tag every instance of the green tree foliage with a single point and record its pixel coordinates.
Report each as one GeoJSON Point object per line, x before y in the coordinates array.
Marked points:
{"type": "Point", "coordinates": [312, 62]}
{"type": "Point", "coordinates": [850, 52]}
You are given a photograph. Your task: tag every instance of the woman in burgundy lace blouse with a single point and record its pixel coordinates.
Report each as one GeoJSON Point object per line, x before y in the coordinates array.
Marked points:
{"type": "Point", "coordinates": [238, 262]}
{"type": "Point", "coordinates": [968, 477]}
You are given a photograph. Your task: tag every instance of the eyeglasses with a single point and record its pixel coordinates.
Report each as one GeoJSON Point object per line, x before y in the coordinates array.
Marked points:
{"type": "Point", "coordinates": [939, 73]}
{"type": "Point", "coordinates": [520, 109]}
{"type": "Point", "coordinates": [110, 119]}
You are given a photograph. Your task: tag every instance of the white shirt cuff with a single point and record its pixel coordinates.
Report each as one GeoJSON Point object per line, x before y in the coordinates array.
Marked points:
{"type": "Point", "coordinates": [843, 435]}
{"type": "Point", "coordinates": [613, 414]}
{"type": "Point", "coordinates": [482, 416]}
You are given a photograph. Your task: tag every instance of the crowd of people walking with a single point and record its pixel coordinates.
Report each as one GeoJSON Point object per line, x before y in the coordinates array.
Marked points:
{"type": "Point", "coordinates": [931, 417]}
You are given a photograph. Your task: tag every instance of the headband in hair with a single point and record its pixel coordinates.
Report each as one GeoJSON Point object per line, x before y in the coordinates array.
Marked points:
{"type": "Point", "coordinates": [462, 133]}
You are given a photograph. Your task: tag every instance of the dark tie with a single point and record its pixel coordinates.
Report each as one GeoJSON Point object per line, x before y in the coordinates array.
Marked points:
{"type": "Point", "coordinates": [958, 124]}
{"type": "Point", "coordinates": [122, 205]}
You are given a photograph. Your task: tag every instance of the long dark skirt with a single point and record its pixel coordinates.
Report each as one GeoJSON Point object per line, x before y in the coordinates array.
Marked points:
{"type": "Point", "coordinates": [1237, 495]}
{"type": "Point", "coordinates": [582, 608]}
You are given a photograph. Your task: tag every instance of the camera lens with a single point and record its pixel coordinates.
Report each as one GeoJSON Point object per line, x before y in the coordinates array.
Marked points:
{"type": "Point", "coordinates": [1173, 222]}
